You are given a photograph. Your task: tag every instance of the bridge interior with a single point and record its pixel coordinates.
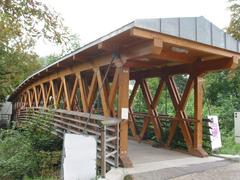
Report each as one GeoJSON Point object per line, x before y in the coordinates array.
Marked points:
{"type": "Point", "coordinates": [95, 79]}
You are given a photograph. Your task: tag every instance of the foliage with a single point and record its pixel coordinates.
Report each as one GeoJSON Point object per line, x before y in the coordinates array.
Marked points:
{"type": "Point", "coordinates": [22, 24]}
{"type": "Point", "coordinates": [229, 145]}
{"type": "Point", "coordinates": [222, 91]}
{"type": "Point", "coordinates": [29, 151]}
{"type": "Point", "coordinates": [234, 26]}
{"type": "Point", "coordinates": [16, 156]}
{"type": "Point", "coordinates": [71, 46]}
{"type": "Point", "coordinates": [25, 21]}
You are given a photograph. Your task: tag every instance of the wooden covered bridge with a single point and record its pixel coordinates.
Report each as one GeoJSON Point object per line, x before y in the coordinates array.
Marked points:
{"type": "Point", "coordinates": [101, 71]}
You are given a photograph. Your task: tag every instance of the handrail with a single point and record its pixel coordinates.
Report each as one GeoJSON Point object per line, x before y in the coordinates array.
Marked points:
{"type": "Point", "coordinates": [165, 116]}
{"type": "Point", "coordinates": [105, 128]}
{"type": "Point", "coordinates": [81, 114]}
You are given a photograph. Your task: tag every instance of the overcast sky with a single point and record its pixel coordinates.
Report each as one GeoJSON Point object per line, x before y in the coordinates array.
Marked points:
{"type": "Point", "coordinates": [91, 19]}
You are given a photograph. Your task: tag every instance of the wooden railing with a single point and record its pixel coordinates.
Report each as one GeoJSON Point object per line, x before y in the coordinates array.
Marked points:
{"type": "Point", "coordinates": [106, 129]}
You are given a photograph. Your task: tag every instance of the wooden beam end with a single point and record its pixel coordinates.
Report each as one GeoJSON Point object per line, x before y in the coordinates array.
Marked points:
{"type": "Point", "coordinates": [235, 62]}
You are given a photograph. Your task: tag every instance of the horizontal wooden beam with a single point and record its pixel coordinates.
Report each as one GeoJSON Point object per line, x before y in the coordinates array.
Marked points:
{"type": "Point", "coordinates": [144, 64]}
{"type": "Point", "coordinates": [170, 56]}
{"type": "Point", "coordinates": [198, 67]}
{"type": "Point", "coordinates": [146, 34]}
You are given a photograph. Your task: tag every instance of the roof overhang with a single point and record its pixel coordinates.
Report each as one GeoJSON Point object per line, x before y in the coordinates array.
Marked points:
{"type": "Point", "coordinates": [152, 43]}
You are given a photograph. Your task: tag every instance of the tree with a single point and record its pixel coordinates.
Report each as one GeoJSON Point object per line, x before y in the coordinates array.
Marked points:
{"type": "Point", "coordinates": [22, 24]}
{"type": "Point", "coordinates": [71, 46]}
{"type": "Point", "coordinates": [234, 26]}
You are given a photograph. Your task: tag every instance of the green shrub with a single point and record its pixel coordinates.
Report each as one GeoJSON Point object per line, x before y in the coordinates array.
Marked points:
{"type": "Point", "coordinates": [29, 151]}
{"type": "Point", "coordinates": [17, 157]}
{"type": "Point", "coordinates": [229, 145]}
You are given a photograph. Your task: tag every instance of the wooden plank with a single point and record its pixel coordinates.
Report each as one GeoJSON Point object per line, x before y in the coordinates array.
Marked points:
{"type": "Point", "coordinates": [186, 92]}
{"type": "Point", "coordinates": [146, 121]}
{"type": "Point", "coordinates": [59, 93]}
{"type": "Point", "coordinates": [158, 93]}
{"type": "Point", "coordinates": [83, 93]}
{"type": "Point", "coordinates": [132, 121]}
{"type": "Point", "coordinates": [92, 91]}
{"type": "Point", "coordinates": [39, 94]}
{"type": "Point", "coordinates": [48, 93]}
{"type": "Point", "coordinates": [29, 98]}
{"type": "Point", "coordinates": [73, 93]}
{"type": "Point", "coordinates": [35, 95]}
{"type": "Point", "coordinates": [32, 96]}
{"type": "Point", "coordinates": [113, 91]}
{"type": "Point", "coordinates": [134, 92]}
{"type": "Point", "coordinates": [66, 93]}
{"type": "Point", "coordinates": [43, 95]}
{"type": "Point", "coordinates": [103, 93]}
{"type": "Point", "coordinates": [53, 94]}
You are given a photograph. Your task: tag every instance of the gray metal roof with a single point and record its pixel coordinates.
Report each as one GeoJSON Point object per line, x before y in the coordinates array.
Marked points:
{"type": "Point", "coordinates": [197, 29]}
{"type": "Point", "coordinates": [193, 28]}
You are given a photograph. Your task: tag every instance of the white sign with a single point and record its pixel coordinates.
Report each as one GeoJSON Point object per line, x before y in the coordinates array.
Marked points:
{"type": "Point", "coordinates": [124, 113]}
{"type": "Point", "coordinates": [215, 132]}
{"type": "Point", "coordinates": [80, 153]}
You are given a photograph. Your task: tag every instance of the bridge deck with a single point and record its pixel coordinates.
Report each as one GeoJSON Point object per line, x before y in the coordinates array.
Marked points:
{"type": "Point", "coordinates": [144, 153]}
{"type": "Point", "coordinates": [159, 163]}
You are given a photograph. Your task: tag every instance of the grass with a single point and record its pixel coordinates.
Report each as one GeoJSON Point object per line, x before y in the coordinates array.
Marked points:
{"type": "Point", "coordinates": [229, 145]}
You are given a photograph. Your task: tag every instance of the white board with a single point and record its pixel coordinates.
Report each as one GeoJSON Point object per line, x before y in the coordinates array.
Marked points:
{"type": "Point", "coordinates": [79, 157]}
{"type": "Point", "coordinates": [215, 132]}
{"type": "Point", "coordinates": [124, 113]}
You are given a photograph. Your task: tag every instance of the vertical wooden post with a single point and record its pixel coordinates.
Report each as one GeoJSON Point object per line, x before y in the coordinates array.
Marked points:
{"type": "Point", "coordinates": [123, 106]}
{"type": "Point", "coordinates": [198, 126]}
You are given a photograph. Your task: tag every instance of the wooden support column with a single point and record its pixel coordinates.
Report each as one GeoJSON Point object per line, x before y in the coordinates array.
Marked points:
{"type": "Point", "coordinates": [43, 96]}
{"type": "Point", "coordinates": [66, 93]}
{"type": "Point", "coordinates": [132, 122]}
{"type": "Point", "coordinates": [123, 105]}
{"type": "Point", "coordinates": [103, 93]}
{"type": "Point", "coordinates": [83, 92]}
{"type": "Point", "coordinates": [35, 96]}
{"type": "Point", "coordinates": [53, 94]}
{"type": "Point", "coordinates": [198, 126]}
{"type": "Point", "coordinates": [29, 98]}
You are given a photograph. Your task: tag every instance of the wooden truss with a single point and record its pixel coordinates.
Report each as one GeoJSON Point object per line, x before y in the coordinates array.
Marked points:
{"type": "Point", "coordinates": [73, 84]}
{"type": "Point", "coordinates": [77, 91]}
{"type": "Point", "coordinates": [193, 139]}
